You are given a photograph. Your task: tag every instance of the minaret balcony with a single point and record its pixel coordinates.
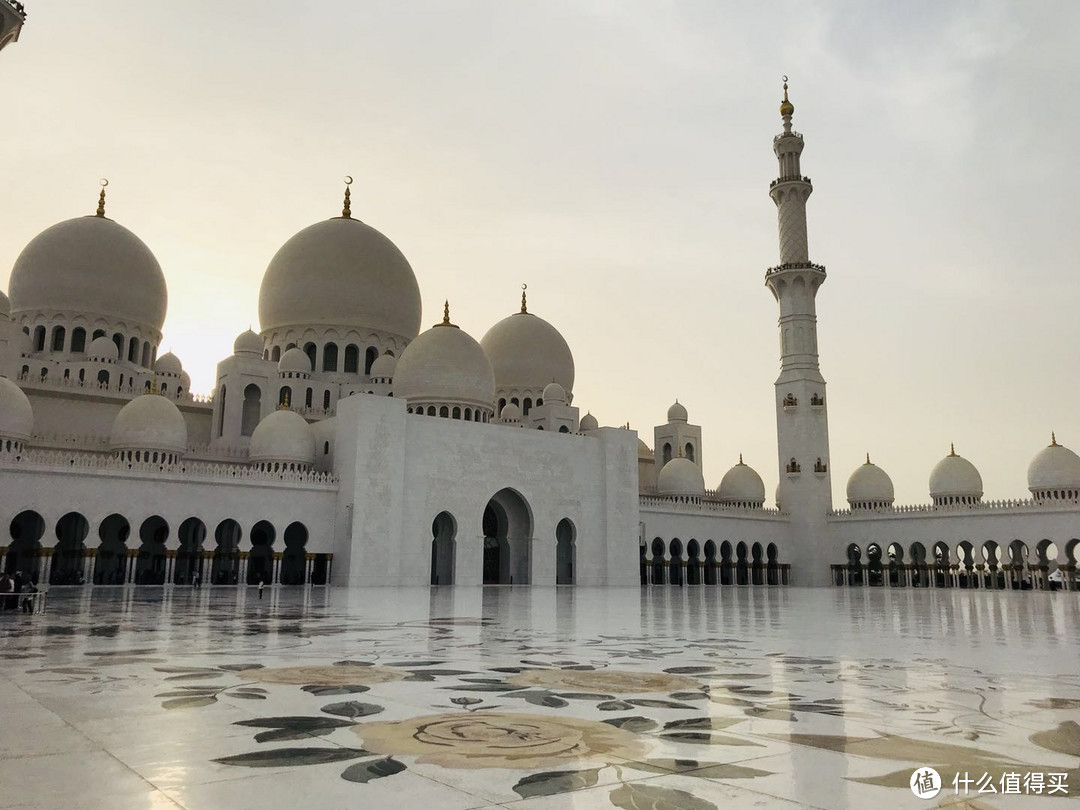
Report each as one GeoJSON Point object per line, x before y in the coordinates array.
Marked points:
{"type": "Point", "coordinates": [780, 268]}
{"type": "Point", "coordinates": [791, 178]}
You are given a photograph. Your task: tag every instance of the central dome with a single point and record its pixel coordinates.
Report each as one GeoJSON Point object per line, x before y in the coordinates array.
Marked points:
{"type": "Point", "coordinates": [91, 266]}
{"type": "Point", "coordinates": [340, 272]}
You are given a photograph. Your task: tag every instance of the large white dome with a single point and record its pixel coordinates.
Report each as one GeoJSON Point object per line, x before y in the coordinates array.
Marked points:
{"type": "Point", "coordinates": [149, 422]}
{"type": "Point", "coordinates": [869, 487]}
{"type": "Point", "coordinates": [16, 414]}
{"type": "Point", "coordinates": [445, 364]}
{"type": "Point", "coordinates": [1054, 468]}
{"type": "Point", "coordinates": [954, 477]}
{"type": "Point", "coordinates": [92, 266]}
{"type": "Point", "coordinates": [527, 353]}
{"type": "Point", "coordinates": [742, 485]}
{"type": "Point", "coordinates": [340, 272]}
{"type": "Point", "coordinates": [681, 476]}
{"type": "Point", "coordinates": [283, 436]}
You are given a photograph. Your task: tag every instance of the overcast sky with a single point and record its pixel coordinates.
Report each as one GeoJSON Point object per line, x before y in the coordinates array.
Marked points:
{"type": "Point", "coordinates": [616, 156]}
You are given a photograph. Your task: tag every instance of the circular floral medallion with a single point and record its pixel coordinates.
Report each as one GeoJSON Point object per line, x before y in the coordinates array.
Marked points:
{"type": "Point", "coordinates": [500, 740]}
{"type": "Point", "coordinates": [323, 676]}
{"type": "Point", "coordinates": [605, 680]}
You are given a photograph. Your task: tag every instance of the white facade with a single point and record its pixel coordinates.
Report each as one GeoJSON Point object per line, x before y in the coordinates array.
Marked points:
{"type": "Point", "coordinates": [343, 444]}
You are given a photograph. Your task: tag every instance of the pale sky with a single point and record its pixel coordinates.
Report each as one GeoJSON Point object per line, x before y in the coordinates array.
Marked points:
{"type": "Point", "coordinates": [616, 156]}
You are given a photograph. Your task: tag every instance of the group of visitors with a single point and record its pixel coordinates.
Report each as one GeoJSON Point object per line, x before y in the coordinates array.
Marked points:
{"type": "Point", "coordinates": [17, 591]}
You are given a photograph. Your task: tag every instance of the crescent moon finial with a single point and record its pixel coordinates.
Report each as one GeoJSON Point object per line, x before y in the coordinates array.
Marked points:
{"type": "Point", "coordinates": [523, 306]}
{"type": "Point", "coordinates": [346, 208]}
{"type": "Point", "coordinates": [101, 198]}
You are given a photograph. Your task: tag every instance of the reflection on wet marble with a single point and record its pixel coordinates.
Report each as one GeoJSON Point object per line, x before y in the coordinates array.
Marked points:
{"type": "Point", "coordinates": [537, 698]}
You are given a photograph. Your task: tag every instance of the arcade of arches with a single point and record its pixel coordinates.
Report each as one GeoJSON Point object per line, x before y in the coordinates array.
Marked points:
{"type": "Point", "coordinates": [965, 565]}
{"type": "Point", "coordinates": [674, 562]}
{"type": "Point", "coordinates": [140, 555]}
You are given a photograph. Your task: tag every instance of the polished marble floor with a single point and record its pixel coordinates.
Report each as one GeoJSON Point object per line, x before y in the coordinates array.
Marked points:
{"type": "Point", "coordinates": [538, 698]}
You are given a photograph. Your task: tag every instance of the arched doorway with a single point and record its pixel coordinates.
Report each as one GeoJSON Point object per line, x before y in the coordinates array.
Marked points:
{"type": "Point", "coordinates": [658, 562]}
{"type": "Point", "coordinates": [150, 566]}
{"type": "Point", "coordinates": [443, 547]}
{"type": "Point", "coordinates": [294, 559]}
{"type": "Point", "coordinates": [757, 564]}
{"type": "Point", "coordinates": [565, 535]}
{"type": "Point", "coordinates": [251, 411]}
{"type": "Point", "coordinates": [693, 563]}
{"type": "Point", "coordinates": [261, 556]}
{"type": "Point", "coordinates": [191, 534]}
{"type": "Point", "coordinates": [643, 565]}
{"type": "Point", "coordinates": [507, 539]}
{"type": "Point", "coordinates": [772, 565]}
{"type": "Point", "coordinates": [226, 564]}
{"type": "Point", "coordinates": [742, 564]}
{"type": "Point", "coordinates": [920, 577]}
{"type": "Point", "coordinates": [942, 564]}
{"type": "Point", "coordinates": [875, 571]}
{"type": "Point", "coordinates": [675, 563]}
{"type": "Point", "coordinates": [727, 567]}
{"type": "Point", "coordinates": [110, 565]}
{"type": "Point", "coordinates": [26, 530]}
{"type": "Point", "coordinates": [710, 562]}
{"type": "Point", "coordinates": [67, 562]}
{"type": "Point", "coordinates": [854, 564]}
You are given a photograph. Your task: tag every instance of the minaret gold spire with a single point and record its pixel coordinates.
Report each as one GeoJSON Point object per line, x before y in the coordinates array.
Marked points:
{"type": "Point", "coordinates": [346, 208]}
{"type": "Point", "coordinates": [786, 107]}
{"type": "Point", "coordinates": [524, 308]}
{"type": "Point", "coordinates": [101, 198]}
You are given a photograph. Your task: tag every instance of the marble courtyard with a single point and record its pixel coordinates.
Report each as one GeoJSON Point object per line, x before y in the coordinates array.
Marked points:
{"type": "Point", "coordinates": [536, 698]}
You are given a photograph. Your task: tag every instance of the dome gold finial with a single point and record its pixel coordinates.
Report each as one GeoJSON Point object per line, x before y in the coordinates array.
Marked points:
{"type": "Point", "coordinates": [153, 385]}
{"type": "Point", "coordinates": [952, 449]}
{"type": "Point", "coordinates": [101, 198]}
{"type": "Point", "coordinates": [741, 461]}
{"type": "Point", "coordinates": [524, 308]}
{"type": "Point", "coordinates": [786, 107]}
{"type": "Point", "coordinates": [346, 209]}
{"type": "Point", "coordinates": [284, 406]}
{"type": "Point", "coordinates": [867, 458]}
{"type": "Point", "coordinates": [446, 315]}
{"type": "Point", "coordinates": [1053, 439]}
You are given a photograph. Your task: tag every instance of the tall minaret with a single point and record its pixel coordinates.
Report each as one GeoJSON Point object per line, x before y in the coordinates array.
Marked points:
{"type": "Point", "coordinates": [12, 17]}
{"type": "Point", "coordinates": [802, 426]}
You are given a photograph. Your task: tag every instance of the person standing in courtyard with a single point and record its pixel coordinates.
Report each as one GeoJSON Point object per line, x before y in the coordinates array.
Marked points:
{"type": "Point", "coordinates": [195, 580]}
{"type": "Point", "coordinates": [28, 591]}
{"type": "Point", "coordinates": [260, 587]}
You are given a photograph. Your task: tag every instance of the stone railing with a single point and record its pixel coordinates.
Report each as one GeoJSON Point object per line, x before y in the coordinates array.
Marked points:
{"type": "Point", "coordinates": [128, 390]}
{"type": "Point", "coordinates": [1019, 504]}
{"type": "Point", "coordinates": [796, 266]}
{"type": "Point", "coordinates": [660, 502]}
{"type": "Point", "coordinates": [84, 461]}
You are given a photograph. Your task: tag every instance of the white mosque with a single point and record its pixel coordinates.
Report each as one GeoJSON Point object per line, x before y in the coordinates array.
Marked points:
{"type": "Point", "coordinates": [342, 444]}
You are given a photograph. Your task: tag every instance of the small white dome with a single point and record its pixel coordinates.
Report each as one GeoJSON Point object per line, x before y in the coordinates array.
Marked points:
{"type": "Point", "coordinates": [283, 436]}
{"type": "Point", "coordinates": [94, 266]}
{"type": "Point", "coordinates": [5, 306]}
{"type": "Point", "coordinates": [869, 486]}
{"type": "Point", "coordinates": [185, 381]}
{"type": "Point", "coordinates": [527, 352]}
{"type": "Point", "coordinates": [1054, 468]}
{"type": "Point", "coordinates": [588, 423]}
{"type": "Point", "coordinates": [294, 361]}
{"type": "Point", "coordinates": [149, 422]}
{"type": "Point", "coordinates": [955, 477]}
{"type": "Point", "coordinates": [340, 272]}
{"type": "Point", "coordinates": [681, 476]}
{"type": "Point", "coordinates": [445, 364]}
{"type": "Point", "coordinates": [776, 497]}
{"type": "Point", "coordinates": [247, 342]}
{"type": "Point", "coordinates": [554, 394]}
{"type": "Point", "coordinates": [510, 413]}
{"type": "Point", "coordinates": [101, 348]}
{"type": "Point", "coordinates": [169, 364]}
{"type": "Point", "coordinates": [384, 366]}
{"type": "Point", "coordinates": [643, 450]}
{"type": "Point", "coordinates": [741, 484]}
{"type": "Point", "coordinates": [677, 413]}
{"type": "Point", "coordinates": [16, 414]}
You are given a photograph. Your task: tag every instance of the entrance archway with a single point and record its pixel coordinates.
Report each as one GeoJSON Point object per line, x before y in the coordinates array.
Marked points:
{"type": "Point", "coordinates": [443, 547]}
{"type": "Point", "coordinates": [657, 561]}
{"type": "Point", "coordinates": [67, 563]}
{"type": "Point", "coordinates": [710, 562]}
{"type": "Point", "coordinates": [226, 564]}
{"type": "Point", "coordinates": [693, 563]}
{"type": "Point", "coordinates": [675, 562]}
{"type": "Point", "coordinates": [294, 559]}
{"type": "Point", "coordinates": [111, 562]}
{"type": "Point", "coordinates": [261, 556]}
{"type": "Point", "coordinates": [191, 534]}
{"type": "Point", "coordinates": [565, 536]}
{"type": "Point", "coordinates": [508, 529]}
{"type": "Point", "coordinates": [26, 530]}
{"type": "Point", "coordinates": [150, 566]}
